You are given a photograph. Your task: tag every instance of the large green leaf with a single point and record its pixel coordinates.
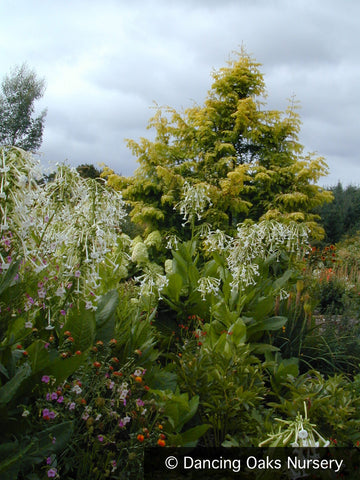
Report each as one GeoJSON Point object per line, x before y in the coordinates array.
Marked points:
{"type": "Point", "coordinates": [105, 315]}
{"type": "Point", "coordinates": [40, 358]}
{"type": "Point", "coordinates": [62, 368]}
{"type": "Point", "coordinates": [173, 289]}
{"type": "Point", "coordinates": [8, 392]}
{"type": "Point", "coordinates": [81, 323]}
{"type": "Point", "coordinates": [191, 436]}
{"type": "Point", "coordinates": [7, 279]}
{"type": "Point", "coordinates": [270, 324]}
{"type": "Point", "coordinates": [238, 332]}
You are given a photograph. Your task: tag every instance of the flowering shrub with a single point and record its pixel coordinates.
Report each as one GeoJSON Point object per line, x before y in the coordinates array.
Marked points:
{"type": "Point", "coordinates": [113, 412]}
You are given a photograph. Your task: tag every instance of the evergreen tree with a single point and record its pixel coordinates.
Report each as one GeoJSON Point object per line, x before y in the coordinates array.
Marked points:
{"type": "Point", "coordinates": [248, 157]}
{"type": "Point", "coordinates": [18, 125]}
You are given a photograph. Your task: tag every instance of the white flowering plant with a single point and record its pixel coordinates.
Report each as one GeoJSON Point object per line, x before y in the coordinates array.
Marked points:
{"type": "Point", "coordinates": [299, 432]}
{"type": "Point", "coordinates": [65, 232]}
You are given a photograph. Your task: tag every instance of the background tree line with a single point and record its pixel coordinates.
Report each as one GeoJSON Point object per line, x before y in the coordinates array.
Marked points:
{"type": "Point", "coordinates": [341, 217]}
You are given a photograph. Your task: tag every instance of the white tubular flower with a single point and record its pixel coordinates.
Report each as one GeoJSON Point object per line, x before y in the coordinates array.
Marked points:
{"type": "Point", "coordinates": [208, 285]}
{"type": "Point", "coordinates": [152, 283]}
{"type": "Point", "coordinates": [259, 241]}
{"type": "Point", "coordinates": [217, 241]}
{"type": "Point", "coordinates": [195, 200]}
{"type": "Point", "coordinates": [172, 242]}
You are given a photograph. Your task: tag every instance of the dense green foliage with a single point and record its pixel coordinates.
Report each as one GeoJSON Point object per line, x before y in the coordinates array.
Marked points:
{"type": "Point", "coordinates": [341, 217]}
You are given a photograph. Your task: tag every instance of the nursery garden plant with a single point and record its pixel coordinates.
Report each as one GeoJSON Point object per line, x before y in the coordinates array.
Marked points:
{"type": "Point", "coordinates": [216, 322]}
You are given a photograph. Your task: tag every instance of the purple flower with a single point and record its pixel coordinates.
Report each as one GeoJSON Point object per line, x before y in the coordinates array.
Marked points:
{"type": "Point", "coordinates": [77, 273]}
{"type": "Point", "coordinates": [46, 413]}
{"type": "Point", "coordinates": [63, 312]}
{"type": "Point", "coordinates": [139, 402]}
{"type": "Point", "coordinates": [60, 399]}
{"type": "Point", "coordinates": [45, 379]}
{"type": "Point", "coordinates": [47, 345]}
{"type": "Point", "coordinates": [52, 473]}
{"type": "Point", "coordinates": [72, 406]}
{"type": "Point", "coordinates": [100, 438]}
{"type": "Point", "coordinates": [54, 396]}
{"type": "Point", "coordinates": [48, 461]}
{"type": "Point", "coordinates": [52, 415]}
{"type": "Point", "coordinates": [48, 398]}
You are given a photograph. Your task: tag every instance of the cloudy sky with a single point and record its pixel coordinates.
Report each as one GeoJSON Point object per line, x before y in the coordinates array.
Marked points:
{"type": "Point", "coordinates": [107, 61]}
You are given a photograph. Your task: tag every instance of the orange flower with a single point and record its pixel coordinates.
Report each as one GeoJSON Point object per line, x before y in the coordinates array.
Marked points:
{"type": "Point", "coordinates": [138, 379]}
{"type": "Point", "coordinates": [113, 341]}
{"type": "Point", "coordinates": [97, 364]}
{"type": "Point", "coordinates": [161, 442]}
{"type": "Point", "coordinates": [78, 352]}
{"type": "Point", "coordinates": [67, 333]}
{"type": "Point", "coordinates": [140, 437]}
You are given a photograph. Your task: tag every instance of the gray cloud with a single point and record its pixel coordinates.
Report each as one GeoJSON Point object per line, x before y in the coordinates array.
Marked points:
{"type": "Point", "coordinates": [107, 62]}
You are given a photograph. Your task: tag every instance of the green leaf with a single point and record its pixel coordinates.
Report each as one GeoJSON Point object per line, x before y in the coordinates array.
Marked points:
{"type": "Point", "coordinates": [238, 332]}
{"type": "Point", "coordinates": [194, 276]}
{"type": "Point", "coordinates": [173, 289]}
{"type": "Point", "coordinates": [40, 358]}
{"type": "Point", "coordinates": [8, 278]}
{"type": "Point", "coordinates": [262, 308]}
{"type": "Point", "coordinates": [270, 324]}
{"type": "Point", "coordinates": [193, 434]}
{"type": "Point", "coordinates": [105, 315]}
{"type": "Point", "coordinates": [81, 323]}
{"type": "Point", "coordinates": [10, 467]}
{"type": "Point", "coordinates": [61, 368]}
{"type": "Point", "coordinates": [9, 391]}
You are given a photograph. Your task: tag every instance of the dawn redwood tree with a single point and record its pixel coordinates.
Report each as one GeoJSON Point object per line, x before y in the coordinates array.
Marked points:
{"type": "Point", "coordinates": [249, 158]}
{"type": "Point", "coordinates": [19, 126]}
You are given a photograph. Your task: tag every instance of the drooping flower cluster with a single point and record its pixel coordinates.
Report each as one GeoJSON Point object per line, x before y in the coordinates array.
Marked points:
{"type": "Point", "coordinates": [195, 199]}
{"type": "Point", "coordinates": [254, 242]}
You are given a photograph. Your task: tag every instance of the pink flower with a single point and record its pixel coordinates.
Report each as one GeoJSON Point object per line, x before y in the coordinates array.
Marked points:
{"type": "Point", "coordinates": [52, 473]}
{"type": "Point", "coordinates": [45, 379]}
{"type": "Point", "coordinates": [100, 438]}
